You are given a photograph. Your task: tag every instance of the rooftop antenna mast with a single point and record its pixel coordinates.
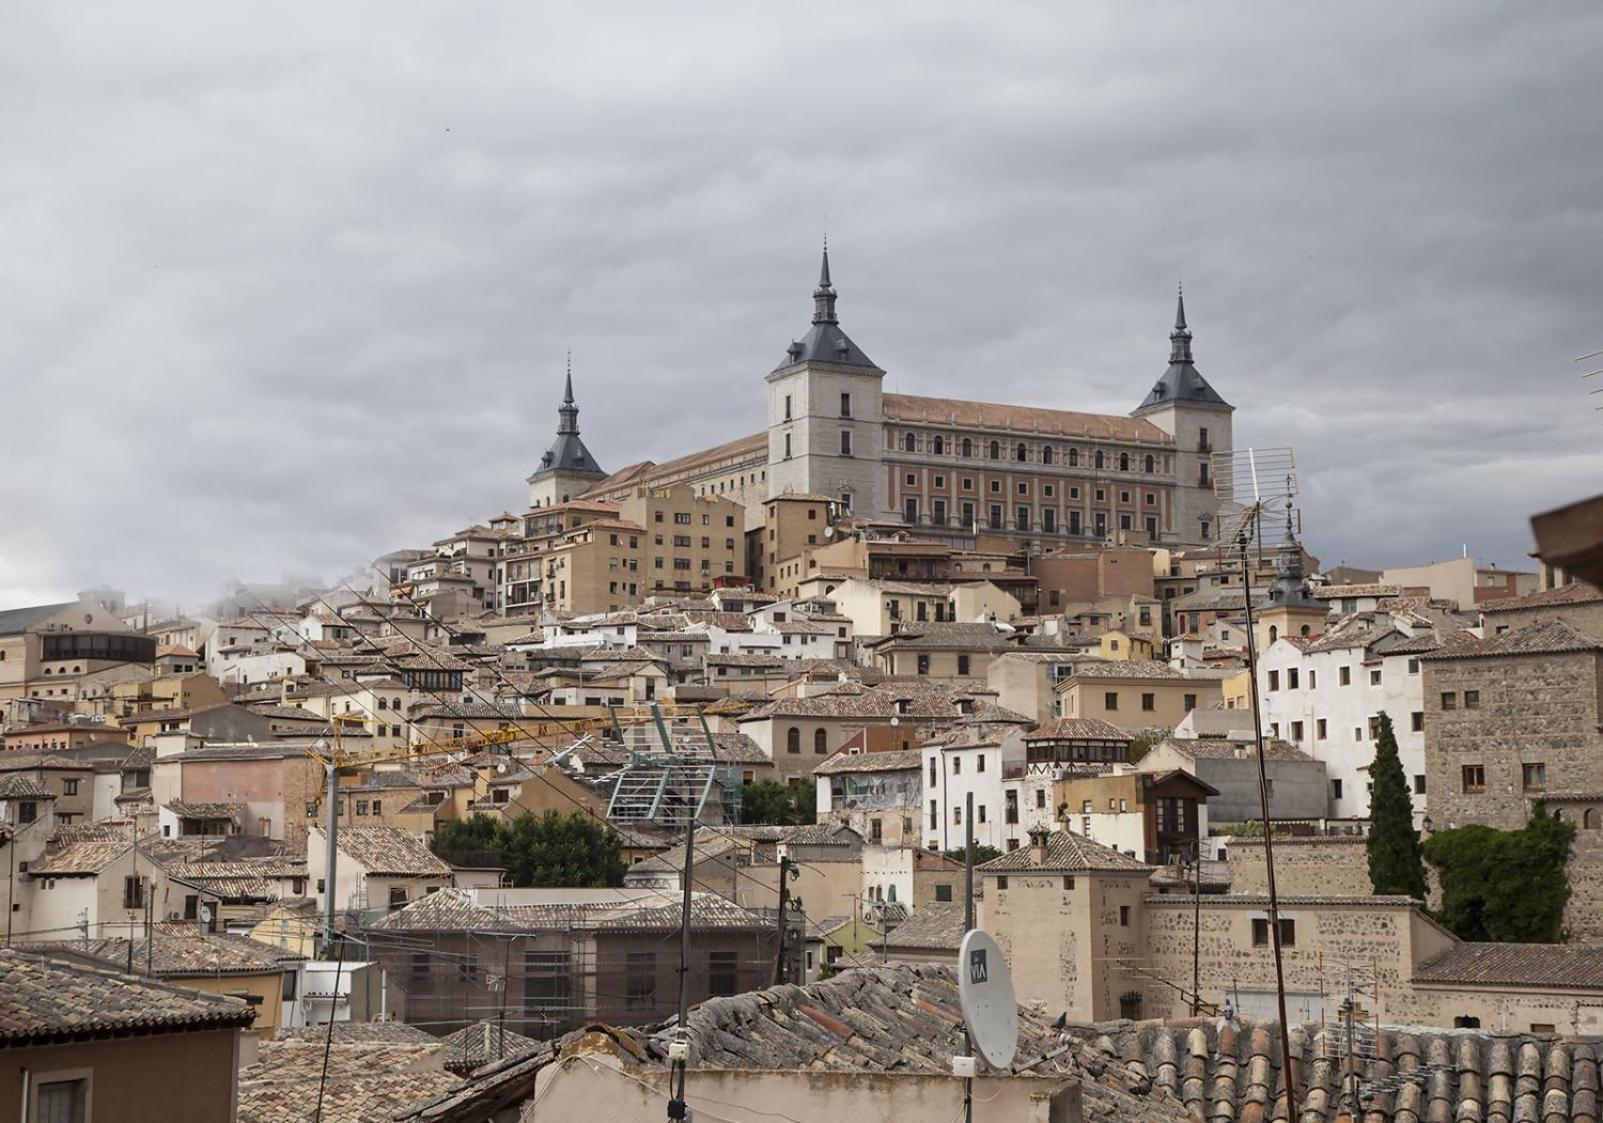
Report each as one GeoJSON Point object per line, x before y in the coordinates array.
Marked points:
{"type": "Point", "coordinates": [1588, 358]}
{"type": "Point", "coordinates": [1250, 484]}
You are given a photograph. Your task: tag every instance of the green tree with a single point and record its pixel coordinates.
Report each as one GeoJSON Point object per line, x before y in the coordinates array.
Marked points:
{"type": "Point", "coordinates": [1504, 886]}
{"type": "Point", "coordinates": [1395, 864]}
{"type": "Point", "coordinates": [982, 854]}
{"type": "Point", "coordinates": [770, 803]}
{"type": "Point", "coordinates": [555, 850]}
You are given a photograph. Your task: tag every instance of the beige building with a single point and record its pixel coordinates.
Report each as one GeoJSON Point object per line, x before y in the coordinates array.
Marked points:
{"type": "Point", "coordinates": [45, 650]}
{"type": "Point", "coordinates": [78, 1036]}
{"type": "Point", "coordinates": [1135, 695]}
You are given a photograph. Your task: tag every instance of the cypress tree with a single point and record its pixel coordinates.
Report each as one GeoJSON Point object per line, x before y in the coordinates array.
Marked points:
{"type": "Point", "coordinates": [1395, 865]}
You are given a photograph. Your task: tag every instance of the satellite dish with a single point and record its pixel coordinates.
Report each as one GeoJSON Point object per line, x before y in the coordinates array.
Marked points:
{"type": "Point", "coordinates": [985, 989]}
{"type": "Point", "coordinates": [205, 914]}
{"type": "Point", "coordinates": [895, 721]}
{"type": "Point", "coordinates": [829, 532]}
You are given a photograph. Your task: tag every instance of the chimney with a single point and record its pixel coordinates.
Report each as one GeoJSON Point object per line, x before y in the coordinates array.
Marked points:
{"type": "Point", "coordinates": [1038, 837]}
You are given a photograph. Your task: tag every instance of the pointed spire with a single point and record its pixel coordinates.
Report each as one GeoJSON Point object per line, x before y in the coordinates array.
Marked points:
{"type": "Point", "coordinates": [824, 294]}
{"type": "Point", "coordinates": [1180, 337]}
{"type": "Point", "coordinates": [567, 412]}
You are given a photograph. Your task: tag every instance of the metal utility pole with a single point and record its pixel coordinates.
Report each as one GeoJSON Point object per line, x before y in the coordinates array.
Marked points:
{"type": "Point", "coordinates": [1268, 835]}
{"type": "Point", "coordinates": [330, 846]}
{"type": "Point", "coordinates": [968, 926]}
{"type": "Point", "coordinates": [676, 1105]}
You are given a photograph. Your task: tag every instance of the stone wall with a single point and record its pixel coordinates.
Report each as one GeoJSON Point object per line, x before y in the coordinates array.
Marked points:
{"type": "Point", "coordinates": [1500, 1010]}
{"type": "Point", "coordinates": [1377, 933]}
{"type": "Point", "coordinates": [1533, 709]}
{"type": "Point", "coordinates": [1587, 618]}
{"type": "Point", "coordinates": [1327, 865]}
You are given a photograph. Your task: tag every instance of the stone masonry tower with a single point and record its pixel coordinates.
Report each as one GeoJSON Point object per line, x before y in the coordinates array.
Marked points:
{"type": "Point", "coordinates": [825, 419]}
{"type": "Point", "coordinates": [1183, 405]}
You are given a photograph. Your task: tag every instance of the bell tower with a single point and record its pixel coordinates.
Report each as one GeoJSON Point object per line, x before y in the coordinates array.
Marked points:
{"type": "Point", "coordinates": [826, 422]}
{"type": "Point", "coordinates": [1186, 407]}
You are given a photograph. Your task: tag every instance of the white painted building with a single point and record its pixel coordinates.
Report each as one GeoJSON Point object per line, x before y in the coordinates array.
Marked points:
{"type": "Point", "coordinates": [951, 772]}
{"type": "Point", "coordinates": [1324, 696]}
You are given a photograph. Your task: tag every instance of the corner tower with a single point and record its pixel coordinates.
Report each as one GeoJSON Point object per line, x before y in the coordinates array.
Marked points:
{"type": "Point", "coordinates": [1183, 405]}
{"type": "Point", "coordinates": [826, 421]}
{"type": "Point", "coordinates": [567, 469]}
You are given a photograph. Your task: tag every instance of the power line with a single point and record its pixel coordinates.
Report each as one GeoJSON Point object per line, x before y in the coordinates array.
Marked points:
{"type": "Point", "coordinates": [427, 653]}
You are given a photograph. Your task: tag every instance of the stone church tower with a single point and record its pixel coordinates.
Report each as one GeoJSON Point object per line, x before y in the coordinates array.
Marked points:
{"type": "Point", "coordinates": [567, 469]}
{"type": "Point", "coordinates": [825, 416]}
{"type": "Point", "coordinates": [1184, 406]}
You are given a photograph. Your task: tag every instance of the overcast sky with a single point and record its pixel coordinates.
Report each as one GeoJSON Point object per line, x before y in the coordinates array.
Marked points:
{"type": "Point", "coordinates": [286, 286]}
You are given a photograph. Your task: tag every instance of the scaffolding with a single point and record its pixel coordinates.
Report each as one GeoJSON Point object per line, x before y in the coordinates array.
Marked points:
{"type": "Point", "coordinates": [671, 775]}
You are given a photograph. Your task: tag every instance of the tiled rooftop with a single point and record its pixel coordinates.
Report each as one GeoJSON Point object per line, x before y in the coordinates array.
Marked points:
{"type": "Point", "coordinates": [892, 761]}
{"type": "Point", "coordinates": [901, 1018]}
{"type": "Point", "coordinates": [178, 954]}
{"type": "Point", "coordinates": [367, 1081]}
{"type": "Point", "coordinates": [1066, 852]}
{"type": "Point", "coordinates": [489, 1040]}
{"type": "Point", "coordinates": [454, 910]}
{"type": "Point", "coordinates": [936, 926]}
{"type": "Point", "coordinates": [1230, 1071]}
{"type": "Point", "coordinates": [45, 1001]}
{"type": "Point", "coordinates": [1079, 729]}
{"type": "Point", "coordinates": [391, 851]}
{"type": "Point", "coordinates": [1545, 637]}
{"type": "Point", "coordinates": [1577, 592]}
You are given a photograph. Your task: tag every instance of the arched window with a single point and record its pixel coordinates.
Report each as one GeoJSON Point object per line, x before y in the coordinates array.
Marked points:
{"type": "Point", "coordinates": [1046, 455]}
{"type": "Point", "coordinates": [890, 893]}
{"type": "Point", "coordinates": [996, 450]}
{"type": "Point", "coordinates": [938, 446]}
{"type": "Point", "coordinates": [1150, 462]}
{"type": "Point", "coordinates": [1274, 633]}
{"type": "Point", "coordinates": [1305, 629]}
{"type": "Point", "coordinates": [1021, 452]}
{"type": "Point", "coordinates": [1124, 461]}
{"type": "Point", "coordinates": [1074, 458]}
{"type": "Point", "coordinates": [908, 443]}
{"type": "Point", "coordinates": [820, 742]}
{"type": "Point", "coordinates": [793, 740]}
{"type": "Point", "coordinates": [968, 447]}
{"type": "Point", "coordinates": [1097, 461]}
{"type": "Point", "coordinates": [1589, 818]}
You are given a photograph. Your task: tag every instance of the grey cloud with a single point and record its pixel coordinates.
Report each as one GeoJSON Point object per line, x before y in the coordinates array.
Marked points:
{"type": "Point", "coordinates": [286, 289]}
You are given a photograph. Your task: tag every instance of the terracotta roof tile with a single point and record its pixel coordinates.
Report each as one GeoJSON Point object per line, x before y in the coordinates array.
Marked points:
{"type": "Point", "coordinates": [391, 852]}
{"type": "Point", "coordinates": [44, 1001]}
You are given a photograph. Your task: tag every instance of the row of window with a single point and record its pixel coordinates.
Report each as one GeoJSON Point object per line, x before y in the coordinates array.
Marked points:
{"type": "Point", "coordinates": [1024, 518]}
{"type": "Point", "coordinates": [1022, 488]}
{"type": "Point", "coordinates": [968, 448]}
{"type": "Point", "coordinates": [1344, 677]}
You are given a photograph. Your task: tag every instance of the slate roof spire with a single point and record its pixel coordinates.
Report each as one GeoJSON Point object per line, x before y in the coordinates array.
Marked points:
{"type": "Point", "coordinates": [824, 294]}
{"type": "Point", "coordinates": [567, 452]}
{"type": "Point", "coordinates": [1182, 382]}
{"type": "Point", "coordinates": [824, 341]}
{"type": "Point", "coordinates": [567, 412]}
{"type": "Point", "coordinates": [1180, 337]}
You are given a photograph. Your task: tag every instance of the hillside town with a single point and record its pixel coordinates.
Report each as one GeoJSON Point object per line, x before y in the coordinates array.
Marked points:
{"type": "Point", "coordinates": [303, 844]}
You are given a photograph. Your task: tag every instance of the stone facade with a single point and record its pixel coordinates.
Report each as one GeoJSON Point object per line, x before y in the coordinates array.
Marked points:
{"type": "Point", "coordinates": [1331, 865]}
{"type": "Point", "coordinates": [1067, 938]}
{"type": "Point", "coordinates": [1385, 935]}
{"type": "Point", "coordinates": [1503, 729]}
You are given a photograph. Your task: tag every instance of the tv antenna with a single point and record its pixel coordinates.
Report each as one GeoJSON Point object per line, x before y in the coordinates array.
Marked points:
{"type": "Point", "coordinates": [1589, 357]}
{"type": "Point", "coordinates": [1249, 485]}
